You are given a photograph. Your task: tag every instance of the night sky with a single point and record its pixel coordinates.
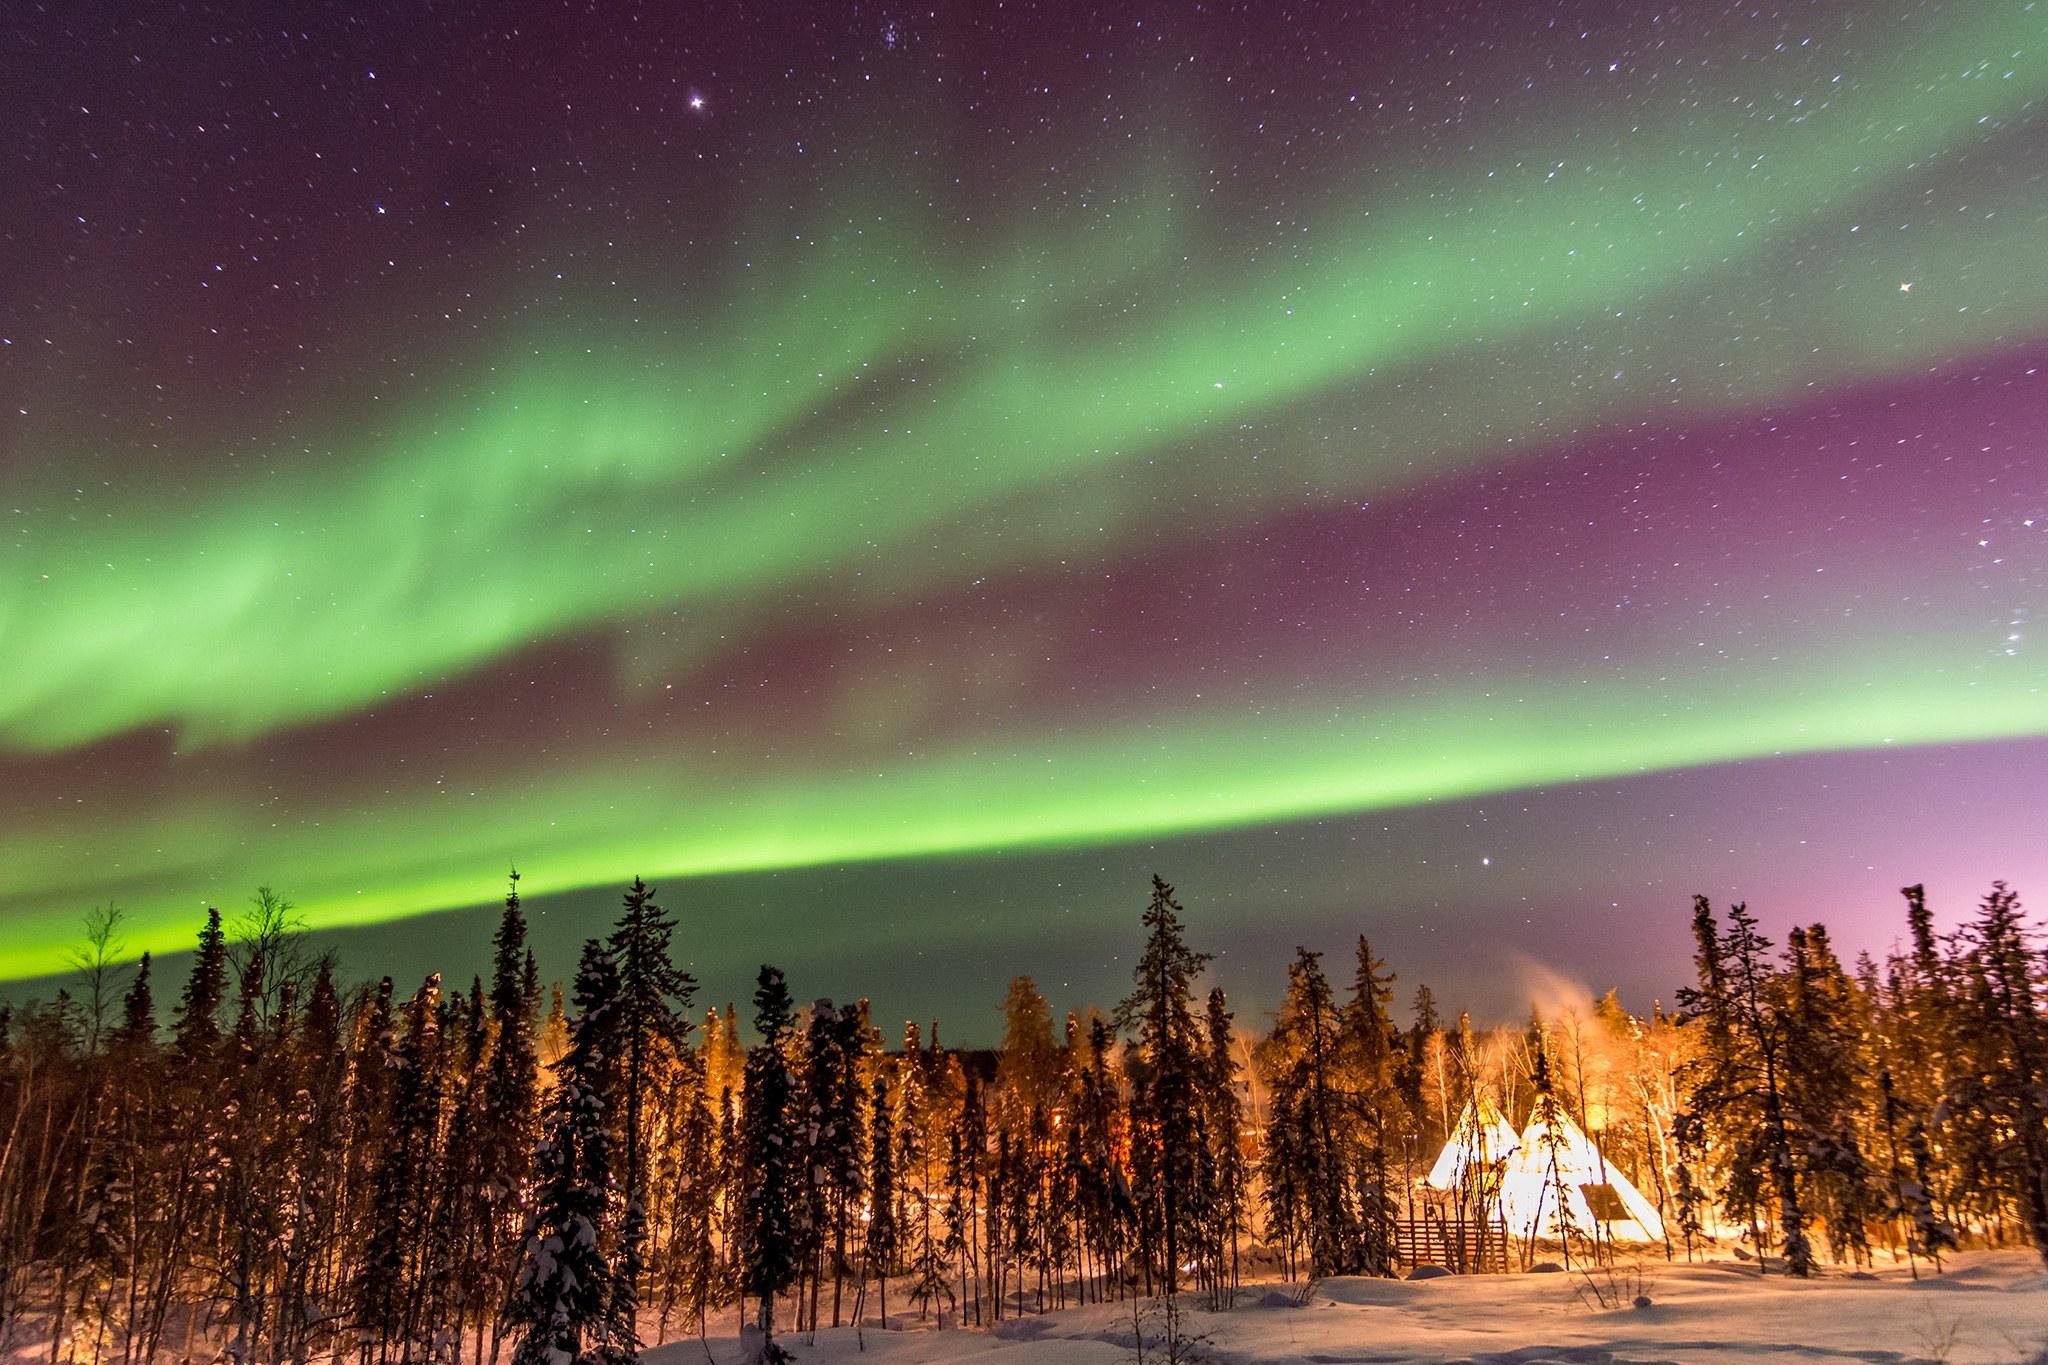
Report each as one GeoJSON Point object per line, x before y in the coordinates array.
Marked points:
{"type": "Point", "coordinates": [1473, 474]}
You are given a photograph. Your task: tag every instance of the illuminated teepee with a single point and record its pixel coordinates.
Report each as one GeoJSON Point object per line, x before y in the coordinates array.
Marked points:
{"type": "Point", "coordinates": [1556, 1160]}
{"type": "Point", "coordinates": [1487, 1165]}
{"type": "Point", "coordinates": [1473, 1161]}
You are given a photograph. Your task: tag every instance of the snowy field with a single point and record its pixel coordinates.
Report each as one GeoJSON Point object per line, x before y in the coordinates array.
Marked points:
{"type": "Point", "coordinates": [1989, 1308]}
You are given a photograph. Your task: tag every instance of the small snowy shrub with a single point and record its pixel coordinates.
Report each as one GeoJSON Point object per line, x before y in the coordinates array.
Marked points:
{"type": "Point", "coordinates": [1603, 1288]}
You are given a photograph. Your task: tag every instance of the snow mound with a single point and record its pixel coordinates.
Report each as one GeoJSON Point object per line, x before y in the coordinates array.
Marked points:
{"type": "Point", "coordinates": [1022, 1329]}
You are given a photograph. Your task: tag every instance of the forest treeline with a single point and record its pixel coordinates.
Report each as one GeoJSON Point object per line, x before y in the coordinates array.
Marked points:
{"type": "Point", "coordinates": [282, 1168]}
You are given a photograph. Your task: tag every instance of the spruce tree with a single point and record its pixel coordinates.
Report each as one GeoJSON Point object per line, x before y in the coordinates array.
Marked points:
{"type": "Point", "coordinates": [768, 1234]}
{"type": "Point", "coordinates": [966, 1217]}
{"type": "Point", "coordinates": [392, 1289]}
{"type": "Point", "coordinates": [465, 1222]}
{"type": "Point", "coordinates": [2008, 1046]}
{"type": "Point", "coordinates": [1028, 1066]}
{"type": "Point", "coordinates": [813, 1112]}
{"type": "Point", "coordinates": [845, 1169]}
{"type": "Point", "coordinates": [1427, 1021]}
{"type": "Point", "coordinates": [728, 1176]}
{"type": "Point", "coordinates": [560, 1310]}
{"type": "Point", "coordinates": [1922, 1019]}
{"type": "Point", "coordinates": [1372, 1069]}
{"type": "Point", "coordinates": [248, 1143]}
{"type": "Point", "coordinates": [511, 1080]}
{"type": "Point", "coordinates": [1909, 1201]}
{"type": "Point", "coordinates": [687, 1183]}
{"type": "Point", "coordinates": [196, 1031]}
{"type": "Point", "coordinates": [1225, 1121]}
{"type": "Point", "coordinates": [921, 1142]}
{"type": "Point", "coordinates": [373, 1071]}
{"type": "Point", "coordinates": [652, 1026]}
{"type": "Point", "coordinates": [138, 1010]}
{"type": "Point", "coordinates": [1736, 1083]}
{"type": "Point", "coordinates": [318, 1080]}
{"type": "Point", "coordinates": [1307, 1165]}
{"type": "Point", "coordinates": [1166, 1107]}
{"type": "Point", "coordinates": [1825, 1087]}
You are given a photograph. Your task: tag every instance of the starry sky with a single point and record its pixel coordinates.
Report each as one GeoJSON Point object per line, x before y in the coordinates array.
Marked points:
{"type": "Point", "coordinates": [1468, 473]}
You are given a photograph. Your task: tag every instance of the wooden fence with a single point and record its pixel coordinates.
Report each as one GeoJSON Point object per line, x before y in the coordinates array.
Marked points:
{"type": "Point", "coordinates": [1461, 1245]}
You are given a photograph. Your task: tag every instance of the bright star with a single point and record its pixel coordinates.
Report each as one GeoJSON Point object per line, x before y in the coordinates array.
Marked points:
{"type": "Point", "coordinates": [1906, 287]}
{"type": "Point", "coordinates": [696, 101]}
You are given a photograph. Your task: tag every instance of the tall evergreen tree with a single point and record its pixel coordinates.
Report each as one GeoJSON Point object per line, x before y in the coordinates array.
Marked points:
{"type": "Point", "coordinates": [1225, 1121]}
{"type": "Point", "coordinates": [138, 1010]}
{"type": "Point", "coordinates": [1736, 1085]}
{"type": "Point", "coordinates": [197, 1028]}
{"type": "Point", "coordinates": [880, 1248]}
{"type": "Point", "coordinates": [464, 1219]}
{"type": "Point", "coordinates": [1826, 1088]}
{"type": "Point", "coordinates": [1166, 1109]}
{"type": "Point", "coordinates": [1910, 1200]}
{"type": "Point", "coordinates": [392, 1297]}
{"type": "Point", "coordinates": [1307, 1189]}
{"type": "Point", "coordinates": [768, 1233]}
{"type": "Point", "coordinates": [1373, 1060]}
{"type": "Point", "coordinates": [922, 1141]}
{"type": "Point", "coordinates": [1029, 1063]}
{"type": "Point", "coordinates": [511, 1081]}
{"type": "Point", "coordinates": [2008, 1045]}
{"type": "Point", "coordinates": [560, 1311]}
{"type": "Point", "coordinates": [845, 1171]}
{"type": "Point", "coordinates": [194, 1155]}
{"type": "Point", "coordinates": [653, 1029]}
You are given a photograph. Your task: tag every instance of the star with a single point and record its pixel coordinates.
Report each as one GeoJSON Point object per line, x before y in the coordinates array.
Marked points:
{"type": "Point", "coordinates": [1905, 286]}
{"type": "Point", "coordinates": [696, 101]}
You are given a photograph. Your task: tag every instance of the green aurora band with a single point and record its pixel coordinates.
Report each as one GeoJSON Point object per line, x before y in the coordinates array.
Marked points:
{"type": "Point", "coordinates": [887, 411]}
{"type": "Point", "coordinates": [430, 852]}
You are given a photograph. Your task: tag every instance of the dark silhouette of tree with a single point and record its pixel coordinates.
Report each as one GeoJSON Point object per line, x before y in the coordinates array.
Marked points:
{"type": "Point", "coordinates": [768, 1233]}
{"type": "Point", "coordinates": [1166, 1104]}
{"type": "Point", "coordinates": [392, 1297]}
{"type": "Point", "coordinates": [883, 1243]}
{"type": "Point", "coordinates": [1230, 1212]}
{"type": "Point", "coordinates": [1306, 1180]}
{"type": "Point", "coordinates": [1372, 1067]}
{"type": "Point", "coordinates": [196, 1034]}
{"type": "Point", "coordinates": [510, 1086]}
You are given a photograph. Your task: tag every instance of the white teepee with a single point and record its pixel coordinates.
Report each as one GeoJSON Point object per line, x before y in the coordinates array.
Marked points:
{"type": "Point", "coordinates": [1558, 1158]}
{"type": "Point", "coordinates": [1479, 1145]}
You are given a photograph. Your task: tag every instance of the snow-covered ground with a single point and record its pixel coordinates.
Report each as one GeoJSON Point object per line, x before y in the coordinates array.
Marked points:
{"type": "Point", "coordinates": [1988, 1308]}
